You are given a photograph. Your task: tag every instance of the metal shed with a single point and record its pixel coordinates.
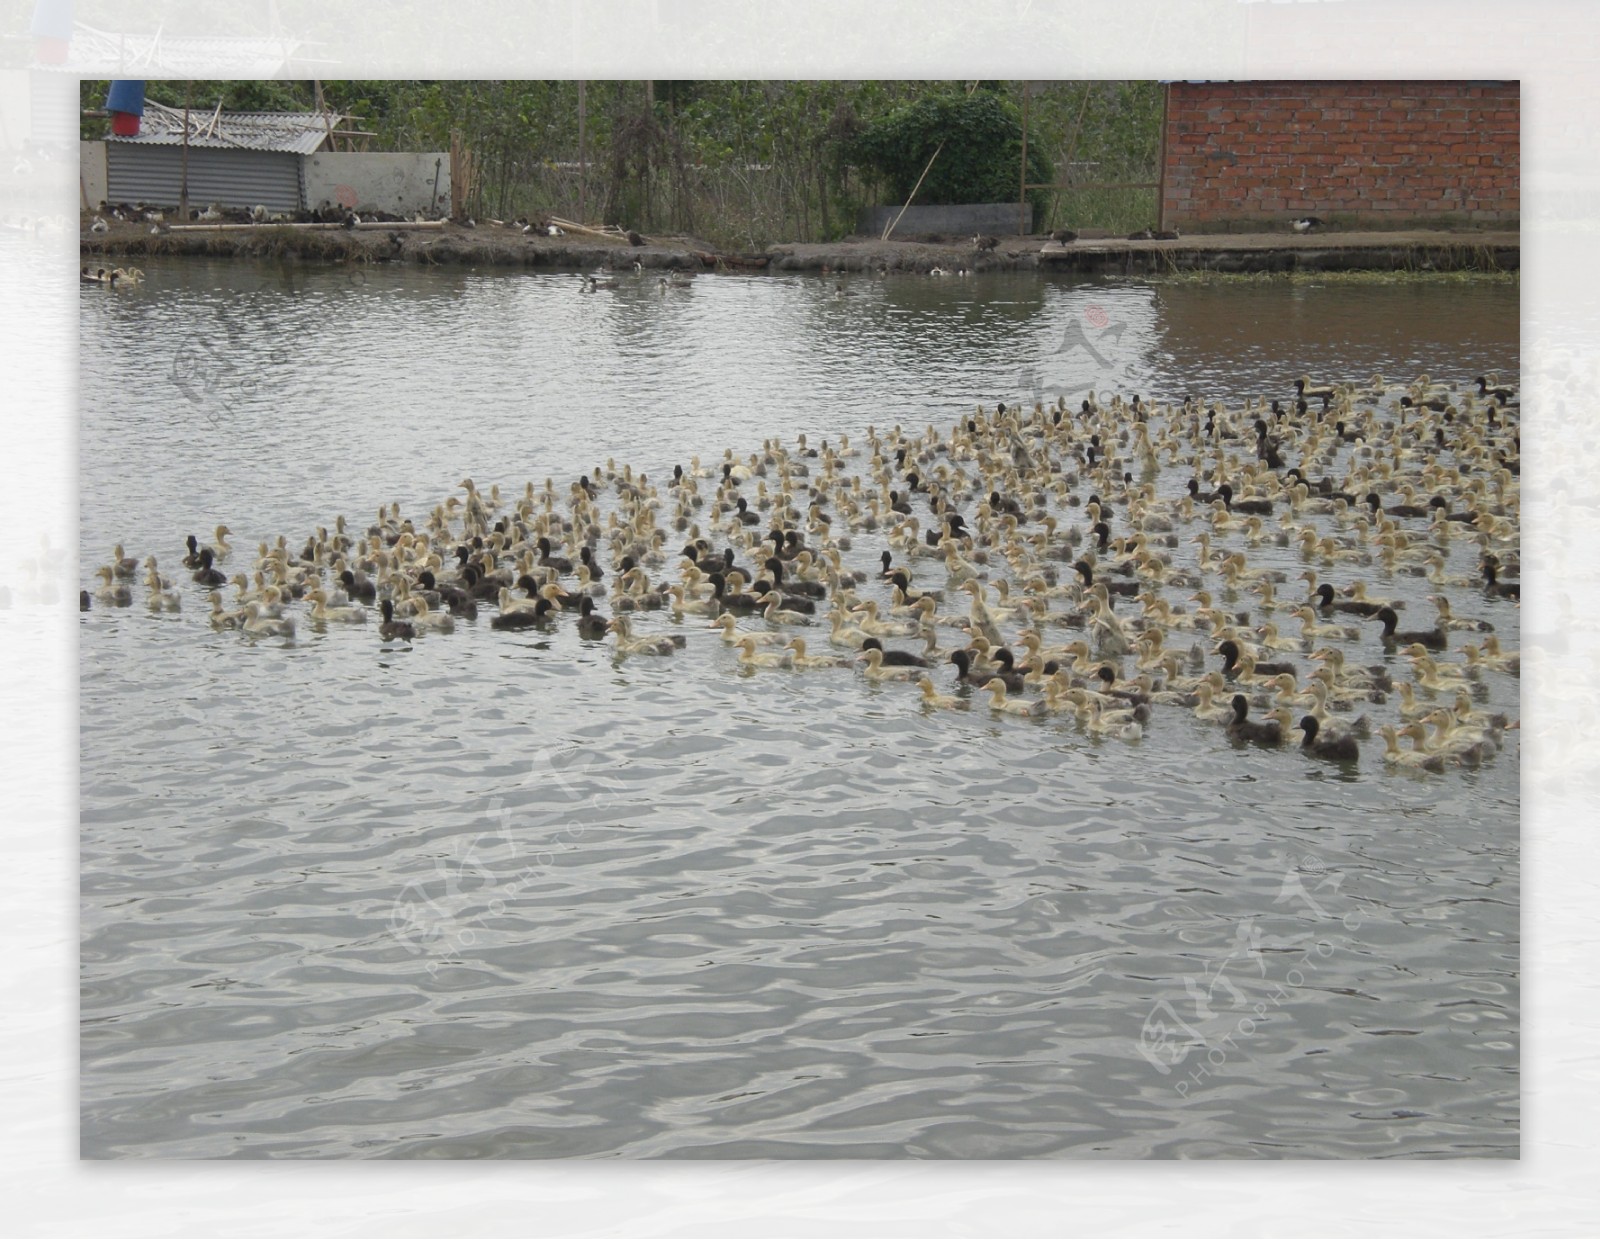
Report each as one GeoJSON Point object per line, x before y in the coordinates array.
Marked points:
{"type": "Point", "coordinates": [236, 159]}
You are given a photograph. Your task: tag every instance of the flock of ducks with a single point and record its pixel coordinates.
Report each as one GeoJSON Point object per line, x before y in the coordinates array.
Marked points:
{"type": "Point", "coordinates": [1106, 565]}
{"type": "Point", "coordinates": [111, 278]}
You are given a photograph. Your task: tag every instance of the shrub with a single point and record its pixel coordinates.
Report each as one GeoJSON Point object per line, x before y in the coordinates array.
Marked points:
{"type": "Point", "coordinates": [982, 136]}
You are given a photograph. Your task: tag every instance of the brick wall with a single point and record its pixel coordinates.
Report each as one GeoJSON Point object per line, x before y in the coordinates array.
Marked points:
{"type": "Point", "coordinates": [1245, 155]}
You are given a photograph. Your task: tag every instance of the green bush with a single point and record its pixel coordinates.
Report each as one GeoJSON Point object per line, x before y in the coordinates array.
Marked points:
{"type": "Point", "coordinates": [982, 136]}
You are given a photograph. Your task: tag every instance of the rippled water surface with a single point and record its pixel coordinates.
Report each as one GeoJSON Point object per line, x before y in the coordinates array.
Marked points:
{"type": "Point", "coordinates": [499, 895]}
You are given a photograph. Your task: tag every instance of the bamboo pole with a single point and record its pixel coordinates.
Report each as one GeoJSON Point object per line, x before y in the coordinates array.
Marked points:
{"type": "Point", "coordinates": [569, 226]}
{"type": "Point", "coordinates": [913, 194]}
{"type": "Point", "coordinates": [364, 226]}
{"type": "Point", "coordinates": [183, 176]}
{"type": "Point", "coordinates": [1022, 173]}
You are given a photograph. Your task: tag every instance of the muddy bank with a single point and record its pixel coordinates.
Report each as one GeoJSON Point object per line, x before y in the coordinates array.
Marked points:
{"type": "Point", "coordinates": [491, 245]}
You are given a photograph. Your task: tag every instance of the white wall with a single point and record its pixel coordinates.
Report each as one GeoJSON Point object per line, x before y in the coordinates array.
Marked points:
{"type": "Point", "coordinates": [92, 168]}
{"type": "Point", "coordinates": [401, 183]}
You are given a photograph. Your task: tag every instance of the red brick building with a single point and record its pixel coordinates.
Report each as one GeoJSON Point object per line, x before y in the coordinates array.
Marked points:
{"type": "Point", "coordinates": [1251, 156]}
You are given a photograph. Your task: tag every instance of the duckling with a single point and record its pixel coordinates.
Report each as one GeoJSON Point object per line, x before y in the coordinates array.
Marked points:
{"type": "Point", "coordinates": [998, 702]}
{"type": "Point", "coordinates": [875, 669]}
{"type": "Point", "coordinates": [933, 699]}
{"type": "Point", "coordinates": [775, 613]}
{"type": "Point", "coordinates": [123, 567]}
{"type": "Point", "coordinates": [1432, 676]}
{"type": "Point", "coordinates": [221, 548]}
{"type": "Point", "coordinates": [221, 619]}
{"type": "Point", "coordinates": [321, 613]}
{"type": "Point", "coordinates": [807, 661]}
{"type": "Point", "coordinates": [733, 635]}
{"type": "Point", "coordinates": [255, 624]}
{"type": "Point", "coordinates": [1450, 623]}
{"type": "Point", "coordinates": [428, 621]}
{"type": "Point", "coordinates": [1122, 725]}
{"type": "Point", "coordinates": [750, 658]}
{"type": "Point", "coordinates": [1413, 758]}
{"type": "Point", "coordinates": [112, 595]}
{"type": "Point", "coordinates": [160, 598]}
{"type": "Point", "coordinates": [627, 644]}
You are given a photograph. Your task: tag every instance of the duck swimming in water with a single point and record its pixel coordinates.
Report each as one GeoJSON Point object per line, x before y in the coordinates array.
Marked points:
{"type": "Point", "coordinates": [394, 630]}
{"type": "Point", "coordinates": [1269, 732]}
{"type": "Point", "coordinates": [1334, 748]}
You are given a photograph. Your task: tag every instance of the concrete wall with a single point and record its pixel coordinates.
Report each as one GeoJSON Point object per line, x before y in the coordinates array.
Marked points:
{"type": "Point", "coordinates": [401, 183]}
{"type": "Point", "coordinates": [996, 218]}
{"type": "Point", "coordinates": [1243, 155]}
{"type": "Point", "coordinates": [92, 169]}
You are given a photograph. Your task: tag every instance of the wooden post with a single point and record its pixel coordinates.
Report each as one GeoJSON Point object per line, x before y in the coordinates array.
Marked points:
{"type": "Point", "coordinates": [183, 175]}
{"type": "Point", "coordinates": [457, 175]}
{"type": "Point", "coordinates": [583, 146]}
{"type": "Point", "coordinates": [1022, 175]}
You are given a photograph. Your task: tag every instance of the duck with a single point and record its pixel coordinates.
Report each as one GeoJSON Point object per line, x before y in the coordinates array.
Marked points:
{"type": "Point", "coordinates": [394, 630]}
{"type": "Point", "coordinates": [591, 624]}
{"type": "Point", "coordinates": [1414, 758]}
{"type": "Point", "coordinates": [1000, 704]}
{"type": "Point", "coordinates": [1241, 727]}
{"type": "Point", "coordinates": [1122, 725]}
{"type": "Point", "coordinates": [538, 615]}
{"type": "Point", "coordinates": [1496, 588]}
{"type": "Point", "coordinates": [775, 613]}
{"type": "Point", "coordinates": [876, 670]}
{"type": "Point", "coordinates": [1334, 748]}
{"type": "Point", "coordinates": [426, 620]}
{"type": "Point", "coordinates": [1430, 639]}
{"type": "Point", "coordinates": [732, 634]}
{"type": "Point", "coordinates": [978, 679]}
{"type": "Point", "coordinates": [111, 593]}
{"type": "Point", "coordinates": [220, 618]}
{"type": "Point", "coordinates": [123, 567]}
{"type": "Point", "coordinates": [160, 597]}
{"type": "Point", "coordinates": [627, 644]}
{"type": "Point", "coordinates": [1236, 664]}
{"type": "Point", "coordinates": [256, 624]}
{"type": "Point", "coordinates": [1432, 676]}
{"type": "Point", "coordinates": [750, 657]}
{"type": "Point", "coordinates": [321, 613]}
{"type": "Point", "coordinates": [810, 661]}
{"type": "Point", "coordinates": [1325, 601]}
{"type": "Point", "coordinates": [934, 700]}
{"type": "Point", "coordinates": [206, 575]}
{"type": "Point", "coordinates": [895, 658]}
{"type": "Point", "coordinates": [221, 548]}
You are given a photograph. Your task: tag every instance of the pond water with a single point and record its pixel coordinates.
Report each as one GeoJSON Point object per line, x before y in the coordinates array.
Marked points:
{"type": "Point", "coordinates": [502, 895]}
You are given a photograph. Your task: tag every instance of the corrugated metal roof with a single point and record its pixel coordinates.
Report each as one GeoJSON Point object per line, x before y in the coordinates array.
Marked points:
{"type": "Point", "coordinates": [97, 53]}
{"type": "Point", "coordinates": [295, 133]}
